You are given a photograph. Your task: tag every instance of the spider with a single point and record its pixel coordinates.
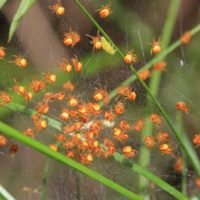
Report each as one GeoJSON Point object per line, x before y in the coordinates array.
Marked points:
{"type": "Point", "coordinates": [198, 182]}
{"type": "Point", "coordinates": [19, 89]}
{"type": "Point", "coordinates": [96, 41]}
{"type": "Point", "coordinates": [139, 124]}
{"type": "Point", "coordinates": [119, 107]}
{"type": "Point", "coordinates": [108, 152]}
{"type": "Point", "coordinates": [21, 62]}
{"type": "Point", "coordinates": [28, 95]}
{"type": "Point", "coordinates": [65, 66]}
{"type": "Point", "coordinates": [37, 85]}
{"type": "Point", "coordinates": [124, 91]}
{"type": "Point", "coordinates": [167, 149]}
{"type": "Point", "coordinates": [156, 48]}
{"type": "Point", "coordinates": [105, 10]}
{"type": "Point", "coordinates": [2, 52]}
{"type": "Point", "coordinates": [183, 107]}
{"type": "Point", "coordinates": [160, 66]}
{"type": "Point", "coordinates": [185, 38]}
{"type": "Point", "coordinates": [65, 114]}
{"type": "Point", "coordinates": [77, 65]}
{"type": "Point", "coordinates": [58, 8]}
{"type": "Point", "coordinates": [60, 137]}
{"type": "Point", "coordinates": [109, 115]}
{"type": "Point", "coordinates": [73, 101]}
{"type": "Point", "coordinates": [5, 97]}
{"type": "Point", "coordinates": [53, 147]}
{"type": "Point", "coordinates": [82, 145]}
{"type": "Point", "coordinates": [107, 142]}
{"type": "Point", "coordinates": [145, 74]}
{"type": "Point", "coordinates": [42, 107]}
{"type": "Point", "coordinates": [70, 153]}
{"type": "Point", "coordinates": [29, 132]}
{"type": "Point", "coordinates": [125, 125]}
{"type": "Point", "coordinates": [40, 124]}
{"type": "Point", "coordinates": [85, 158]}
{"type": "Point", "coordinates": [51, 78]}
{"type": "Point", "coordinates": [155, 118]}
{"type": "Point", "coordinates": [88, 135]}
{"type": "Point", "coordinates": [129, 152]}
{"type": "Point", "coordinates": [68, 86]}
{"type": "Point", "coordinates": [71, 38]}
{"type": "Point", "coordinates": [149, 140]}
{"type": "Point", "coordinates": [13, 150]}
{"type": "Point", "coordinates": [178, 166]}
{"type": "Point", "coordinates": [68, 129]}
{"type": "Point", "coordinates": [196, 140]}
{"type": "Point", "coordinates": [101, 94]}
{"type": "Point", "coordinates": [129, 57]}
{"type": "Point", "coordinates": [3, 140]}
{"type": "Point", "coordinates": [161, 137]}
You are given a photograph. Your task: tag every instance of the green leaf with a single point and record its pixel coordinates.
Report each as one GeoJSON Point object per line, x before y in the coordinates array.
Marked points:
{"type": "Point", "coordinates": [2, 2]}
{"type": "Point", "coordinates": [23, 8]}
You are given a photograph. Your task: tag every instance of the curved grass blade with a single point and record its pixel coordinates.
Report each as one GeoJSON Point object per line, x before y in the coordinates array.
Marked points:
{"type": "Point", "coordinates": [65, 160]}
{"type": "Point", "coordinates": [4, 193]}
{"type": "Point", "coordinates": [21, 11]}
{"type": "Point", "coordinates": [154, 85]}
{"type": "Point", "coordinates": [2, 2]}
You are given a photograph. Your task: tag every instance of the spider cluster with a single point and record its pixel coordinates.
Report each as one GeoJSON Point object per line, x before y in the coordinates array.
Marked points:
{"type": "Point", "coordinates": [81, 135]}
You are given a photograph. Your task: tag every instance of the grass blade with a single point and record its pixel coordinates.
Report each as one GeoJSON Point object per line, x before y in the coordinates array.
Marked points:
{"type": "Point", "coordinates": [21, 11]}
{"type": "Point", "coordinates": [2, 3]}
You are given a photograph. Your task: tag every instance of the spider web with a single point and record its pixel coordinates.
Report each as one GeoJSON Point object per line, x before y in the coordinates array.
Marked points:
{"type": "Point", "coordinates": [133, 24]}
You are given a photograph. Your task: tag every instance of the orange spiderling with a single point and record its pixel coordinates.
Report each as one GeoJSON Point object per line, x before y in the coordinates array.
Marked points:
{"type": "Point", "coordinates": [129, 57]}
{"type": "Point", "coordinates": [68, 86]}
{"type": "Point", "coordinates": [58, 8]}
{"type": "Point", "coordinates": [105, 10]}
{"type": "Point", "coordinates": [185, 38]}
{"type": "Point", "coordinates": [145, 74]}
{"type": "Point", "coordinates": [65, 66]}
{"type": "Point", "coordinates": [21, 62]}
{"type": "Point", "coordinates": [29, 132]}
{"type": "Point", "coordinates": [183, 107]}
{"type": "Point", "coordinates": [160, 66]}
{"type": "Point", "coordinates": [149, 140]}
{"type": "Point", "coordinates": [96, 41]}
{"type": "Point", "coordinates": [156, 46]}
{"type": "Point", "coordinates": [2, 52]}
{"type": "Point", "coordinates": [196, 140]}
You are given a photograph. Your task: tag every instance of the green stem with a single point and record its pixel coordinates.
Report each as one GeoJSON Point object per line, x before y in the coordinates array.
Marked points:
{"type": "Point", "coordinates": [179, 120]}
{"type": "Point", "coordinates": [154, 86]}
{"type": "Point", "coordinates": [149, 176]}
{"type": "Point", "coordinates": [5, 194]}
{"type": "Point", "coordinates": [65, 160]}
{"type": "Point", "coordinates": [195, 163]}
{"type": "Point", "coordinates": [57, 125]}
{"type": "Point", "coordinates": [44, 186]}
